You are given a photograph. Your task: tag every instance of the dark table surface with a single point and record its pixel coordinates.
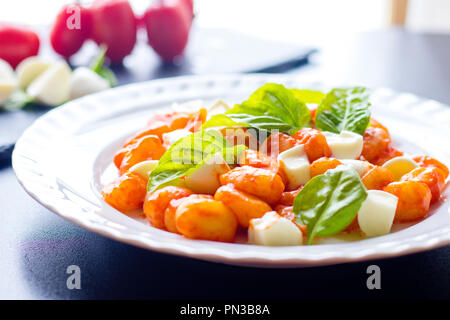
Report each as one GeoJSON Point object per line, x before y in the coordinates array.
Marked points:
{"type": "Point", "coordinates": [37, 246]}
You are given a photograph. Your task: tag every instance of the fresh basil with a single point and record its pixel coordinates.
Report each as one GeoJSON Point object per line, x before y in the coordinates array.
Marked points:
{"type": "Point", "coordinates": [344, 109]}
{"type": "Point", "coordinates": [222, 120]}
{"type": "Point", "coordinates": [308, 96]}
{"type": "Point", "coordinates": [272, 106]}
{"type": "Point", "coordinates": [188, 154]}
{"type": "Point", "coordinates": [328, 203]}
{"type": "Point", "coordinates": [99, 68]}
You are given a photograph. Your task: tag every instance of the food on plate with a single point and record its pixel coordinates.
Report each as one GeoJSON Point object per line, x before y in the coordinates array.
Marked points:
{"type": "Point", "coordinates": [157, 202]}
{"type": "Point", "coordinates": [376, 215]}
{"type": "Point", "coordinates": [400, 166]}
{"type": "Point", "coordinates": [126, 193]}
{"type": "Point", "coordinates": [286, 166]}
{"type": "Point", "coordinates": [414, 199]}
{"type": "Point", "coordinates": [245, 206]}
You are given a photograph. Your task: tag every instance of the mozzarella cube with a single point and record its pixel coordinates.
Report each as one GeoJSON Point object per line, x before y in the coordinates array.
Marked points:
{"type": "Point", "coordinates": [346, 145]}
{"type": "Point", "coordinates": [400, 166]}
{"type": "Point", "coordinates": [206, 178]}
{"type": "Point", "coordinates": [8, 81]}
{"type": "Point", "coordinates": [274, 230]}
{"type": "Point", "coordinates": [362, 167]}
{"type": "Point", "coordinates": [295, 164]}
{"type": "Point", "coordinates": [53, 86]}
{"type": "Point", "coordinates": [144, 168]}
{"type": "Point", "coordinates": [170, 138]}
{"type": "Point", "coordinates": [29, 69]}
{"type": "Point", "coordinates": [377, 213]}
{"type": "Point", "coordinates": [85, 81]}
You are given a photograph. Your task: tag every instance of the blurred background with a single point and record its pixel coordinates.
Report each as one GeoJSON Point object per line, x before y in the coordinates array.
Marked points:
{"type": "Point", "coordinates": [318, 24]}
{"type": "Point", "coordinates": [296, 21]}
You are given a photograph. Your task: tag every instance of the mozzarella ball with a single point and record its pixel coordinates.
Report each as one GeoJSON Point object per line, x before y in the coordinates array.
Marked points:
{"type": "Point", "coordinates": [53, 86]}
{"type": "Point", "coordinates": [85, 81]}
{"type": "Point", "coordinates": [29, 69]}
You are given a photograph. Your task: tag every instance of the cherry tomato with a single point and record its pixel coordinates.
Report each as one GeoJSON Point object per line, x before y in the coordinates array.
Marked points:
{"type": "Point", "coordinates": [17, 43]}
{"type": "Point", "coordinates": [114, 24]}
{"type": "Point", "coordinates": [168, 25]}
{"type": "Point", "coordinates": [71, 28]}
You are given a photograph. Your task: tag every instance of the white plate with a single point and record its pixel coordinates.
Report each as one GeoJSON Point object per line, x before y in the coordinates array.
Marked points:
{"type": "Point", "coordinates": [65, 157]}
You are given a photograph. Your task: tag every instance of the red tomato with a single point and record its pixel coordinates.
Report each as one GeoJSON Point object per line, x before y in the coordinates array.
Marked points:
{"type": "Point", "coordinates": [70, 29]}
{"type": "Point", "coordinates": [114, 24]}
{"type": "Point", "coordinates": [17, 43]}
{"type": "Point", "coordinates": [190, 5]}
{"type": "Point", "coordinates": [168, 25]}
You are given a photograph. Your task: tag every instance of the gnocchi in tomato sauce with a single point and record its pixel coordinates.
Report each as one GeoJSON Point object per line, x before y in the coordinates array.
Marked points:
{"type": "Point", "coordinates": [285, 179]}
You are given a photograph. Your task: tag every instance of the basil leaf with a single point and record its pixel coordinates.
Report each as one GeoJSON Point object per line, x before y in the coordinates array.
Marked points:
{"type": "Point", "coordinates": [344, 109]}
{"type": "Point", "coordinates": [262, 122]}
{"type": "Point", "coordinates": [221, 120]}
{"type": "Point", "coordinates": [328, 203]}
{"type": "Point", "coordinates": [99, 68]}
{"type": "Point", "coordinates": [272, 106]}
{"type": "Point", "coordinates": [187, 155]}
{"type": "Point", "coordinates": [308, 96]}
